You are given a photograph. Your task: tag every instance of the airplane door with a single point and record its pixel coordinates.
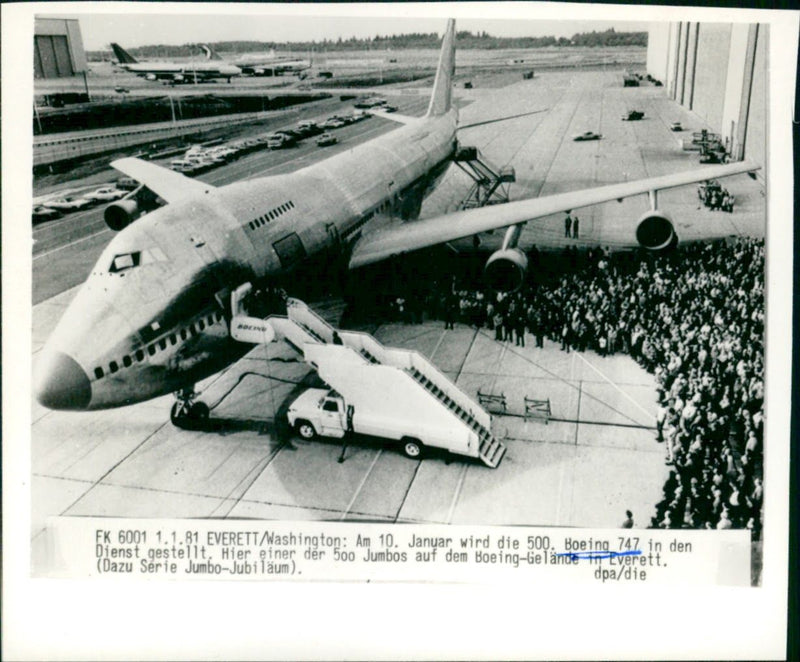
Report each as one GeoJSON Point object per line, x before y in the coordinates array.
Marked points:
{"type": "Point", "coordinates": [331, 419]}
{"type": "Point", "coordinates": [333, 235]}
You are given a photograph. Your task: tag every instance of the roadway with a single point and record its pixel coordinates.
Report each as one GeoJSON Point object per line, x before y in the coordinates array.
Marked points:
{"type": "Point", "coordinates": [597, 458]}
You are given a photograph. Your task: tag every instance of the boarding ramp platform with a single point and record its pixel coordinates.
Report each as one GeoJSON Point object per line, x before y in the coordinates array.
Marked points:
{"type": "Point", "coordinates": [302, 328]}
{"type": "Point", "coordinates": [491, 185]}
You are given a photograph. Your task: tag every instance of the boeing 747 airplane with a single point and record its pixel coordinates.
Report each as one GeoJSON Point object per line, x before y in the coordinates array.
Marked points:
{"type": "Point", "coordinates": [154, 316]}
{"type": "Point", "coordinates": [175, 72]}
{"type": "Point", "coordinates": [266, 65]}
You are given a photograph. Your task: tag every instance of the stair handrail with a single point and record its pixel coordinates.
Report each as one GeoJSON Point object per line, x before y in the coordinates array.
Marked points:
{"type": "Point", "coordinates": [300, 310]}
{"type": "Point", "coordinates": [409, 358]}
{"type": "Point", "coordinates": [461, 398]}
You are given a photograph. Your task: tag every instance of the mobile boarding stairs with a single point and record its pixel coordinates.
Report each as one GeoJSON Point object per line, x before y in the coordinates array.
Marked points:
{"type": "Point", "coordinates": [310, 335]}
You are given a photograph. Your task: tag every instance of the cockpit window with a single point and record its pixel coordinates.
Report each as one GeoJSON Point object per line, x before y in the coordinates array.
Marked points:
{"type": "Point", "coordinates": [125, 261]}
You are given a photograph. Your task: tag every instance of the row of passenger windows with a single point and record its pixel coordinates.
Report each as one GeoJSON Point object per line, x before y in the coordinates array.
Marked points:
{"type": "Point", "coordinates": [271, 215]}
{"type": "Point", "coordinates": [360, 223]}
{"type": "Point", "coordinates": [172, 339]}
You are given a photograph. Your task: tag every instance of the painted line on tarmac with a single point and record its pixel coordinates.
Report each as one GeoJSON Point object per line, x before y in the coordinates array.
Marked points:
{"type": "Point", "coordinates": [457, 493]}
{"type": "Point", "coordinates": [624, 394]}
{"type": "Point", "coordinates": [361, 485]}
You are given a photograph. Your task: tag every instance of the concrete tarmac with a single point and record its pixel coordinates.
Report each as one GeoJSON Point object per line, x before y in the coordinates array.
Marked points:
{"type": "Point", "coordinates": [594, 459]}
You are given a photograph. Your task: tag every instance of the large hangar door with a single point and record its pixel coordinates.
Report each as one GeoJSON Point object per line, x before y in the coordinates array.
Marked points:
{"type": "Point", "coordinates": [755, 136]}
{"type": "Point", "coordinates": [711, 71]}
{"type": "Point", "coordinates": [51, 57]}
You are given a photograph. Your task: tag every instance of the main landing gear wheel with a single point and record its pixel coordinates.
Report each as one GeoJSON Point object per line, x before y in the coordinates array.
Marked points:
{"type": "Point", "coordinates": [412, 448]}
{"type": "Point", "coordinates": [185, 411]}
{"type": "Point", "coordinates": [306, 430]}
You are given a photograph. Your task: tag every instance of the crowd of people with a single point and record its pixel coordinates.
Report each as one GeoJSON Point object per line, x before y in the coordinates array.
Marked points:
{"type": "Point", "coordinates": [694, 317]}
{"type": "Point", "coordinates": [715, 197]}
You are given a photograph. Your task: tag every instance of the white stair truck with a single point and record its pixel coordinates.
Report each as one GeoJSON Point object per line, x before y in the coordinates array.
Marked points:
{"type": "Point", "coordinates": [385, 400]}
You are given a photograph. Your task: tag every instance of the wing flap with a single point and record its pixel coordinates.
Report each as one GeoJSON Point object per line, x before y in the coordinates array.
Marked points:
{"type": "Point", "coordinates": [167, 184]}
{"type": "Point", "coordinates": [407, 237]}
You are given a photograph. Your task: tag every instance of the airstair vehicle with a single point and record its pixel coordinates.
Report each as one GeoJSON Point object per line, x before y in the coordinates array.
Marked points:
{"type": "Point", "coordinates": [395, 393]}
{"type": "Point", "coordinates": [491, 185]}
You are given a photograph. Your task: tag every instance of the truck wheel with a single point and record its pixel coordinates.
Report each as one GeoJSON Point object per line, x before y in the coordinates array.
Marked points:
{"type": "Point", "coordinates": [412, 448]}
{"type": "Point", "coordinates": [306, 430]}
{"type": "Point", "coordinates": [199, 411]}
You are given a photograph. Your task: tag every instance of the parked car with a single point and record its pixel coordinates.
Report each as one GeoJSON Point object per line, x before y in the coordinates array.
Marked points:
{"type": "Point", "coordinates": [369, 102]}
{"type": "Point", "coordinates": [326, 139]}
{"type": "Point", "coordinates": [587, 135]}
{"type": "Point", "coordinates": [41, 213]}
{"type": "Point", "coordinates": [185, 167]}
{"type": "Point", "coordinates": [106, 193]}
{"type": "Point", "coordinates": [388, 108]}
{"type": "Point", "coordinates": [332, 123]}
{"type": "Point", "coordinates": [676, 126]}
{"type": "Point", "coordinates": [633, 115]}
{"type": "Point", "coordinates": [69, 203]}
{"type": "Point", "coordinates": [128, 184]}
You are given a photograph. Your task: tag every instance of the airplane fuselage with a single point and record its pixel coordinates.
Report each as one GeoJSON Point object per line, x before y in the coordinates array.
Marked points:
{"type": "Point", "coordinates": [181, 72]}
{"type": "Point", "coordinates": [153, 316]}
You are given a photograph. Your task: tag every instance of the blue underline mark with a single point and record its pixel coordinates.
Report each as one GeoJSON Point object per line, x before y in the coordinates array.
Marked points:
{"type": "Point", "coordinates": [598, 554]}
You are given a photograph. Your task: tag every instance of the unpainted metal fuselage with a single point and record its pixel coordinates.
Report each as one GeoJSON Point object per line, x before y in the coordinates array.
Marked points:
{"type": "Point", "coordinates": [153, 316]}
{"type": "Point", "coordinates": [188, 71]}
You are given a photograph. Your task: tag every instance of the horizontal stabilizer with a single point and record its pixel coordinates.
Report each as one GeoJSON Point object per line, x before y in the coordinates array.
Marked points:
{"type": "Point", "coordinates": [167, 184]}
{"type": "Point", "coordinates": [402, 119]}
{"type": "Point", "coordinates": [461, 127]}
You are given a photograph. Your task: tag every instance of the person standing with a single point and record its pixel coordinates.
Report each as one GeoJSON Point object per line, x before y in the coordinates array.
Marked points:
{"type": "Point", "coordinates": [628, 523]}
{"type": "Point", "coordinates": [575, 225]}
{"type": "Point", "coordinates": [567, 225]}
{"type": "Point", "coordinates": [449, 312]}
{"type": "Point", "coordinates": [349, 432]}
{"type": "Point", "coordinates": [497, 320]}
{"type": "Point", "coordinates": [508, 325]}
{"type": "Point", "coordinates": [661, 416]}
{"type": "Point", "coordinates": [519, 329]}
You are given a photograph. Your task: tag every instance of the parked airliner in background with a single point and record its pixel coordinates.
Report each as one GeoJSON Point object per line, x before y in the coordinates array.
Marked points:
{"type": "Point", "coordinates": [154, 315]}
{"type": "Point", "coordinates": [175, 72]}
{"type": "Point", "coordinates": [264, 65]}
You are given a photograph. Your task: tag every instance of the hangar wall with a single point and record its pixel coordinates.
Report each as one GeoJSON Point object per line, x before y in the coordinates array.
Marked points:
{"type": "Point", "coordinates": [719, 71]}
{"type": "Point", "coordinates": [57, 48]}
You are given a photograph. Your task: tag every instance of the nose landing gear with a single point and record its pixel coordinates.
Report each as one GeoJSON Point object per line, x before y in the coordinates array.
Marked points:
{"type": "Point", "coordinates": [187, 411]}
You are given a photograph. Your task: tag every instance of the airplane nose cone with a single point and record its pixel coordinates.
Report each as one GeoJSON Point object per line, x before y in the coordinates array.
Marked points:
{"type": "Point", "coordinates": [61, 383]}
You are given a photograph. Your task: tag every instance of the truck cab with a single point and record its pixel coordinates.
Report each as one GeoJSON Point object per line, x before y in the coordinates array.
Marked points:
{"type": "Point", "coordinates": [318, 412]}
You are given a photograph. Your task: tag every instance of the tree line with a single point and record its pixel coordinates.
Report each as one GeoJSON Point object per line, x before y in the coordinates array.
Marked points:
{"type": "Point", "coordinates": [414, 40]}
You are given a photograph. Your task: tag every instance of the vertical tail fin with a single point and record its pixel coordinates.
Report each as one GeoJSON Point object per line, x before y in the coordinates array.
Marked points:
{"type": "Point", "coordinates": [443, 85]}
{"type": "Point", "coordinates": [122, 55]}
{"type": "Point", "coordinates": [211, 54]}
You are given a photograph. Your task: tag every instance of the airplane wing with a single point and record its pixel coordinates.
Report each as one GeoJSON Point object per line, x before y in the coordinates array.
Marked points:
{"type": "Point", "coordinates": [405, 237]}
{"type": "Point", "coordinates": [167, 184]}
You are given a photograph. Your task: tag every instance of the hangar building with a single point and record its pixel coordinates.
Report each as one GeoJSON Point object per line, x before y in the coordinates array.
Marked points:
{"type": "Point", "coordinates": [719, 71]}
{"type": "Point", "coordinates": [57, 48]}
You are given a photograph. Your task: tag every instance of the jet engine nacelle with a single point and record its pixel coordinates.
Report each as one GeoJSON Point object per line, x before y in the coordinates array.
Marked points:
{"type": "Point", "coordinates": [655, 231]}
{"type": "Point", "coordinates": [122, 213]}
{"type": "Point", "coordinates": [505, 270]}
